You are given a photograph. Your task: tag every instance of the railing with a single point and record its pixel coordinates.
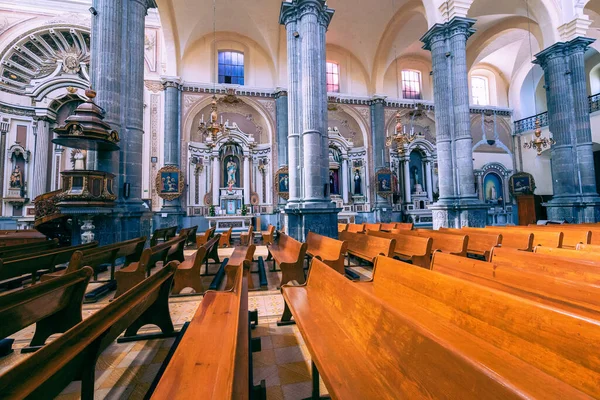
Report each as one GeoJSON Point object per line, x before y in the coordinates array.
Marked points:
{"type": "Point", "coordinates": [528, 124]}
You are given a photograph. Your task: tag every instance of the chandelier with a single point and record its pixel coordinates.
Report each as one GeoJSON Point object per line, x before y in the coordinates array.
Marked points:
{"type": "Point", "coordinates": [539, 142]}
{"type": "Point", "coordinates": [212, 128]}
{"type": "Point", "coordinates": [400, 137]}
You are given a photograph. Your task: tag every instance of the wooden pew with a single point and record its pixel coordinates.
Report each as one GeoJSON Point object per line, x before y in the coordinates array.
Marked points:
{"type": "Point", "coordinates": [73, 355]}
{"type": "Point", "coordinates": [368, 348]}
{"type": "Point", "coordinates": [288, 254]}
{"type": "Point", "coordinates": [247, 238]}
{"type": "Point", "coordinates": [332, 252]}
{"type": "Point", "coordinates": [242, 257]}
{"type": "Point", "coordinates": [409, 248]}
{"type": "Point", "coordinates": [135, 273]}
{"type": "Point", "coordinates": [356, 228]}
{"type": "Point", "coordinates": [213, 359]}
{"type": "Point", "coordinates": [367, 247]}
{"type": "Point", "coordinates": [54, 307]}
{"type": "Point", "coordinates": [268, 236]}
{"type": "Point", "coordinates": [514, 239]}
{"type": "Point", "coordinates": [404, 225]}
{"type": "Point", "coordinates": [523, 344]}
{"type": "Point", "coordinates": [226, 238]}
{"type": "Point", "coordinates": [540, 237]}
{"type": "Point", "coordinates": [444, 242]}
{"type": "Point", "coordinates": [567, 253]}
{"type": "Point", "coordinates": [205, 237]}
{"type": "Point", "coordinates": [571, 296]}
{"type": "Point", "coordinates": [342, 227]}
{"type": "Point", "coordinates": [588, 247]}
{"type": "Point", "coordinates": [372, 227]}
{"type": "Point", "coordinates": [188, 273]}
{"type": "Point", "coordinates": [190, 234]}
{"type": "Point", "coordinates": [14, 267]}
{"type": "Point", "coordinates": [163, 235]}
{"type": "Point", "coordinates": [479, 244]}
{"type": "Point", "coordinates": [21, 250]}
{"type": "Point", "coordinates": [571, 237]}
{"type": "Point", "coordinates": [212, 250]}
{"type": "Point", "coordinates": [21, 236]}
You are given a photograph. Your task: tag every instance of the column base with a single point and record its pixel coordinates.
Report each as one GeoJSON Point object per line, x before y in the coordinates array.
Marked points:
{"type": "Point", "coordinates": [322, 220]}
{"type": "Point", "coordinates": [383, 213]}
{"type": "Point", "coordinates": [456, 213]}
{"type": "Point", "coordinates": [112, 227]}
{"type": "Point", "coordinates": [574, 209]}
{"type": "Point", "coordinates": [166, 218]}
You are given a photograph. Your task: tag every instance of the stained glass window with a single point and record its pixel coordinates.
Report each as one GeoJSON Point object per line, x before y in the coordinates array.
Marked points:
{"type": "Point", "coordinates": [231, 67]}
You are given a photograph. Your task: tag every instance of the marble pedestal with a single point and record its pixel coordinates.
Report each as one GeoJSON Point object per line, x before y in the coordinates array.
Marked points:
{"type": "Point", "coordinates": [574, 209]}
{"type": "Point", "coordinates": [458, 214]}
{"type": "Point", "coordinates": [111, 226]}
{"type": "Point", "coordinates": [383, 214]}
{"type": "Point", "coordinates": [322, 220]}
{"type": "Point", "coordinates": [168, 218]}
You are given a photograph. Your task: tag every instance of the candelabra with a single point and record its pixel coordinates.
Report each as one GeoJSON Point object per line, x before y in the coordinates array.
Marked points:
{"type": "Point", "coordinates": [212, 128]}
{"type": "Point", "coordinates": [400, 137]}
{"type": "Point", "coordinates": [539, 142]}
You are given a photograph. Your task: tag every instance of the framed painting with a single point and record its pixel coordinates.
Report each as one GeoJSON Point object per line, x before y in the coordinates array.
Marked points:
{"type": "Point", "coordinates": [522, 183]}
{"type": "Point", "coordinates": [384, 182]}
{"type": "Point", "coordinates": [169, 183]}
{"type": "Point", "coordinates": [282, 183]}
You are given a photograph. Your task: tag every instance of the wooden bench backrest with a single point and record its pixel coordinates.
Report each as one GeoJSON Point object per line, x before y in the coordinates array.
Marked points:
{"type": "Point", "coordinates": [541, 237]}
{"type": "Point", "coordinates": [294, 246]}
{"type": "Point", "coordinates": [342, 227]}
{"type": "Point", "coordinates": [54, 366]}
{"type": "Point", "coordinates": [539, 335]}
{"type": "Point", "coordinates": [325, 247]}
{"type": "Point", "coordinates": [214, 366]}
{"type": "Point", "coordinates": [478, 242]}
{"type": "Point", "coordinates": [24, 307]}
{"type": "Point", "coordinates": [560, 267]}
{"type": "Point", "coordinates": [397, 351]}
{"type": "Point", "coordinates": [94, 257]}
{"type": "Point", "coordinates": [163, 234]}
{"type": "Point", "coordinates": [356, 228]}
{"type": "Point", "coordinates": [372, 227]}
{"type": "Point", "coordinates": [404, 225]}
{"type": "Point", "coordinates": [515, 239]}
{"type": "Point", "coordinates": [567, 253]}
{"type": "Point", "coordinates": [571, 236]}
{"type": "Point", "coordinates": [588, 248]}
{"type": "Point", "coordinates": [21, 250]}
{"type": "Point", "coordinates": [407, 244]}
{"type": "Point", "coordinates": [444, 242]}
{"type": "Point", "coordinates": [368, 246]}
{"type": "Point", "coordinates": [572, 296]}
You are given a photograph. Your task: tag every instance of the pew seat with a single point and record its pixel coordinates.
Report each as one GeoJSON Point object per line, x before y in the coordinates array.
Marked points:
{"type": "Point", "coordinates": [367, 247]}
{"type": "Point", "coordinates": [288, 254]}
{"type": "Point", "coordinates": [332, 252]}
{"type": "Point", "coordinates": [409, 248]}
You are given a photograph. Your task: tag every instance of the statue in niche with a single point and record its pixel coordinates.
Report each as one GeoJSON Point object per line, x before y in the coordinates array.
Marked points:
{"type": "Point", "coordinates": [78, 158]}
{"type": "Point", "coordinates": [493, 193]}
{"type": "Point", "coordinates": [417, 186]}
{"type": "Point", "coordinates": [357, 183]}
{"type": "Point", "coordinates": [231, 170]}
{"type": "Point", "coordinates": [333, 189]}
{"type": "Point", "coordinates": [16, 178]}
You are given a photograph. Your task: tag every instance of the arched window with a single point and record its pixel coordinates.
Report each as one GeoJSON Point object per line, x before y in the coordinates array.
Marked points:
{"type": "Point", "coordinates": [333, 77]}
{"type": "Point", "coordinates": [411, 84]}
{"type": "Point", "coordinates": [480, 91]}
{"type": "Point", "coordinates": [231, 67]}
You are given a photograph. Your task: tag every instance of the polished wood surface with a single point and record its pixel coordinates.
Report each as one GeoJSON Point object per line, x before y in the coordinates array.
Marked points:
{"type": "Point", "coordinates": [190, 234]}
{"type": "Point", "coordinates": [479, 244]}
{"type": "Point", "coordinates": [288, 254]}
{"type": "Point", "coordinates": [205, 237]}
{"type": "Point", "coordinates": [15, 237]}
{"type": "Point", "coordinates": [515, 239]}
{"type": "Point", "coordinates": [541, 237]}
{"type": "Point", "coordinates": [567, 253]}
{"type": "Point", "coordinates": [588, 247]}
{"type": "Point", "coordinates": [163, 235]}
{"type": "Point", "coordinates": [526, 209]}
{"type": "Point", "coordinates": [242, 256]}
{"type": "Point", "coordinates": [372, 227]}
{"type": "Point", "coordinates": [188, 273]}
{"type": "Point", "coordinates": [367, 247]}
{"type": "Point", "coordinates": [247, 238]}
{"type": "Point", "coordinates": [331, 251]}
{"type": "Point", "coordinates": [413, 249]}
{"type": "Point", "coordinates": [73, 355]}
{"type": "Point", "coordinates": [22, 250]}
{"type": "Point", "coordinates": [54, 306]}
{"type": "Point", "coordinates": [356, 228]}
{"type": "Point", "coordinates": [444, 242]}
{"type": "Point", "coordinates": [268, 236]}
{"type": "Point", "coordinates": [342, 227]}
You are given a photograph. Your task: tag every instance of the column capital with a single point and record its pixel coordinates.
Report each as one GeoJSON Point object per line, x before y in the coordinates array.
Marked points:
{"type": "Point", "coordinates": [562, 49]}
{"type": "Point", "coordinates": [296, 9]}
{"type": "Point", "coordinates": [146, 3]}
{"type": "Point", "coordinates": [378, 99]}
{"type": "Point", "coordinates": [280, 93]}
{"type": "Point", "coordinates": [171, 82]}
{"type": "Point", "coordinates": [440, 32]}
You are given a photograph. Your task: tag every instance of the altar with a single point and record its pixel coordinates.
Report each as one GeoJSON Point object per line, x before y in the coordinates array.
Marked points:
{"type": "Point", "coordinates": [222, 223]}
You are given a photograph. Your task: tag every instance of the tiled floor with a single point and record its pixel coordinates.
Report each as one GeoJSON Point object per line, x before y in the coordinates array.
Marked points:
{"type": "Point", "coordinates": [125, 371]}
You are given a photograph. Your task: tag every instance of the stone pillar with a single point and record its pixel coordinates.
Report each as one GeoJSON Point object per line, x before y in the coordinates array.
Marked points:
{"type": "Point", "coordinates": [458, 205]}
{"type": "Point", "coordinates": [429, 180]}
{"type": "Point", "coordinates": [247, 189]}
{"type": "Point", "coordinates": [344, 179]}
{"type": "Point", "coordinates": [4, 127]}
{"type": "Point", "coordinates": [309, 207]}
{"type": "Point", "coordinates": [216, 180]}
{"type": "Point", "coordinates": [281, 111]}
{"type": "Point", "coordinates": [480, 188]}
{"type": "Point", "coordinates": [172, 135]}
{"type": "Point", "coordinates": [572, 160]}
{"type": "Point", "coordinates": [39, 180]}
{"type": "Point", "coordinates": [383, 209]}
{"type": "Point", "coordinates": [407, 188]}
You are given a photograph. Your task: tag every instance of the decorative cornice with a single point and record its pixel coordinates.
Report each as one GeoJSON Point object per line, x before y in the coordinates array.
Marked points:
{"type": "Point", "coordinates": [295, 10]}
{"type": "Point", "coordinates": [154, 86]}
{"type": "Point", "coordinates": [456, 26]}
{"type": "Point", "coordinates": [17, 110]}
{"type": "Point", "coordinates": [281, 93]}
{"type": "Point", "coordinates": [562, 49]}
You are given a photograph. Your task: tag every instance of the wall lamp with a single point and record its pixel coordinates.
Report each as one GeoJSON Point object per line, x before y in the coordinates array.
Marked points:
{"type": "Point", "coordinates": [93, 11]}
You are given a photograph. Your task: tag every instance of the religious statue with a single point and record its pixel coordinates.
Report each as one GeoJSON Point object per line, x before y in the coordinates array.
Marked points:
{"type": "Point", "coordinates": [332, 184]}
{"type": "Point", "coordinates": [78, 158]}
{"type": "Point", "coordinates": [357, 185]}
{"type": "Point", "coordinates": [16, 178]}
{"type": "Point", "coordinates": [231, 170]}
{"type": "Point", "coordinates": [418, 188]}
{"type": "Point", "coordinates": [493, 194]}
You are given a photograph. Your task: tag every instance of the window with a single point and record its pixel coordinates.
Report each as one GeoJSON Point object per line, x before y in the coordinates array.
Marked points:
{"type": "Point", "coordinates": [231, 67]}
{"type": "Point", "coordinates": [411, 84]}
{"type": "Point", "coordinates": [333, 77]}
{"type": "Point", "coordinates": [479, 91]}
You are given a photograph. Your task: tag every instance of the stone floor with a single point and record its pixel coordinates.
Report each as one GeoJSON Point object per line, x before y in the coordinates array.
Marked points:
{"type": "Point", "coordinates": [126, 371]}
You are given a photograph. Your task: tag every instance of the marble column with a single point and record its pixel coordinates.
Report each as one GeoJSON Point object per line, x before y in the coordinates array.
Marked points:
{"type": "Point", "coordinates": [216, 180]}
{"type": "Point", "coordinates": [429, 179]}
{"type": "Point", "coordinates": [458, 204]}
{"type": "Point", "coordinates": [344, 179]}
{"type": "Point", "coordinates": [572, 160]}
{"type": "Point", "coordinates": [407, 188]}
{"type": "Point", "coordinates": [281, 111]}
{"type": "Point", "coordinates": [309, 207]}
{"type": "Point", "coordinates": [39, 181]}
{"type": "Point", "coordinates": [4, 127]}
{"type": "Point", "coordinates": [378, 149]}
{"type": "Point", "coordinates": [247, 171]}
{"type": "Point", "coordinates": [172, 135]}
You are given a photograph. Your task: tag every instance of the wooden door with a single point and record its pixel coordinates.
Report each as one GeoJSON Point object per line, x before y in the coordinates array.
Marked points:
{"type": "Point", "coordinates": [526, 206]}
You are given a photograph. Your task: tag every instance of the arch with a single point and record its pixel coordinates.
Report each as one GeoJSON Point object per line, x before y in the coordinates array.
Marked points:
{"type": "Point", "coordinates": [170, 37]}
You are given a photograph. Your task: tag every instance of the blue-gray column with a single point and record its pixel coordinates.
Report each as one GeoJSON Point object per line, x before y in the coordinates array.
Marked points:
{"type": "Point", "coordinates": [378, 139]}
{"type": "Point", "coordinates": [105, 71]}
{"type": "Point", "coordinates": [574, 184]}
{"type": "Point", "coordinates": [281, 111]}
{"type": "Point", "coordinates": [172, 134]}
